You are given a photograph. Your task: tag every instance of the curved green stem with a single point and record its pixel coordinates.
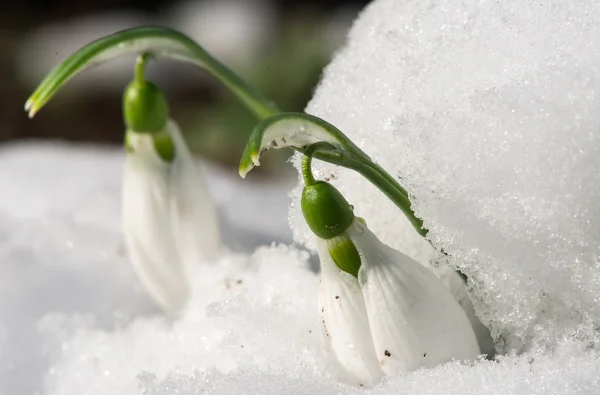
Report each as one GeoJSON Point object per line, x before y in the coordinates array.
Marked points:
{"type": "Point", "coordinates": [153, 41]}
{"type": "Point", "coordinates": [307, 175]}
{"type": "Point", "coordinates": [309, 152]}
{"type": "Point", "coordinates": [140, 67]}
{"type": "Point", "coordinates": [392, 180]}
{"type": "Point", "coordinates": [382, 180]}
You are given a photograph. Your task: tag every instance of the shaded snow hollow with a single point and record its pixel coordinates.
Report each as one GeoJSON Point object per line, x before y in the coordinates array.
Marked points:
{"type": "Point", "coordinates": [488, 112]}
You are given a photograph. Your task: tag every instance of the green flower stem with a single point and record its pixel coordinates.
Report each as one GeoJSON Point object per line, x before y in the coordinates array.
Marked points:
{"type": "Point", "coordinates": [254, 101]}
{"type": "Point", "coordinates": [154, 41]}
{"type": "Point", "coordinates": [307, 175]}
{"type": "Point", "coordinates": [140, 67]}
{"type": "Point", "coordinates": [385, 183]}
{"type": "Point", "coordinates": [389, 178]}
{"type": "Point", "coordinates": [309, 152]}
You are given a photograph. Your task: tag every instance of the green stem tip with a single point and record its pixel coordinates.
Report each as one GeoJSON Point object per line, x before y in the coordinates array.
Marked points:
{"type": "Point", "coordinates": [140, 66]}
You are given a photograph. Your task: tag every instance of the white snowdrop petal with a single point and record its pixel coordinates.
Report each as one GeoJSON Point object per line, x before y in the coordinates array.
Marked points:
{"type": "Point", "coordinates": [193, 215]}
{"type": "Point", "coordinates": [458, 289]}
{"type": "Point", "coordinates": [343, 311]}
{"type": "Point", "coordinates": [414, 319]}
{"type": "Point", "coordinates": [146, 224]}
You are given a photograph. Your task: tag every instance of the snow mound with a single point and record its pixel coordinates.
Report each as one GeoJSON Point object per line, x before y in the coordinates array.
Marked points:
{"type": "Point", "coordinates": [488, 113]}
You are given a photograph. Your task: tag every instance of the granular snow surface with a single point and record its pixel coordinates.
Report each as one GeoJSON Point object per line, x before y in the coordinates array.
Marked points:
{"type": "Point", "coordinates": [488, 113]}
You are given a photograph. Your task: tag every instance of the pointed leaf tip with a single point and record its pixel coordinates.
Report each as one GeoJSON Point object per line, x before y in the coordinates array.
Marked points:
{"type": "Point", "coordinates": [147, 39]}
{"type": "Point", "coordinates": [294, 130]}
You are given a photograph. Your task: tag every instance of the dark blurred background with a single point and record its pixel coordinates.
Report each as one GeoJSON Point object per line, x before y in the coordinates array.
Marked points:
{"type": "Point", "coordinates": [280, 47]}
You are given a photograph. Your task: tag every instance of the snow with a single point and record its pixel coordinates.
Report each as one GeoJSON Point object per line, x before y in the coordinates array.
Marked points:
{"type": "Point", "coordinates": [62, 253]}
{"type": "Point", "coordinates": [488, 113]}
{"type": "Point", "coordinates": [486, 110]}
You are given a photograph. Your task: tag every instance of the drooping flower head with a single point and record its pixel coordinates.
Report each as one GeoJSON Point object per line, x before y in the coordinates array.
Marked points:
{"type": "Point", "coordinates": [169, 220]}
{"type": "Point", "coordinates": [383, 312]}
{"type": "Point", "coordinates": [168, 216]}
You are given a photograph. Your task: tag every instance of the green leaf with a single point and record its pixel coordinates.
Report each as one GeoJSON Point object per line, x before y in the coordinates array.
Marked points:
{"type": "Point", "coordinates": [156, 41]}
{"type": "Point", "coordinates": [295, 130]}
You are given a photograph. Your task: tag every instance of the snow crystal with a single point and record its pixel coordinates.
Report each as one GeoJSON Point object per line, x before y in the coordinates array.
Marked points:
{"type": "Point", "coordinates": [488, 113]}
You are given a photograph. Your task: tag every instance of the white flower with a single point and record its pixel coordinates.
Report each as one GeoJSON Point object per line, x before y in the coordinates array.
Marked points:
{"type": "Point", "coordinates": [345, 319]}
{"type": "Point", "coordinates": [169, 220]}
{"type": "Point", "coordinates": [395, 317]}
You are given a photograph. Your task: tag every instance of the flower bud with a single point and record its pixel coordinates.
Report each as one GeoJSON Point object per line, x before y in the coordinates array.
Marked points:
{"type": "Point", "coordinates": [326, 211]}
{"type": "Point", "coordinates": [393, 316]}
{"type": "Point", "coordinates": [169, 220]}
{"type": "Point", "coordinates": [145, 107]}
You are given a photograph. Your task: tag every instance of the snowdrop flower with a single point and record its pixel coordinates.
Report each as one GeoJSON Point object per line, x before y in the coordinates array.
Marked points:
{"type": "Point", "coordinates": [383, 312]}
{"type": "Point", "coordinates": [169, 220]}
